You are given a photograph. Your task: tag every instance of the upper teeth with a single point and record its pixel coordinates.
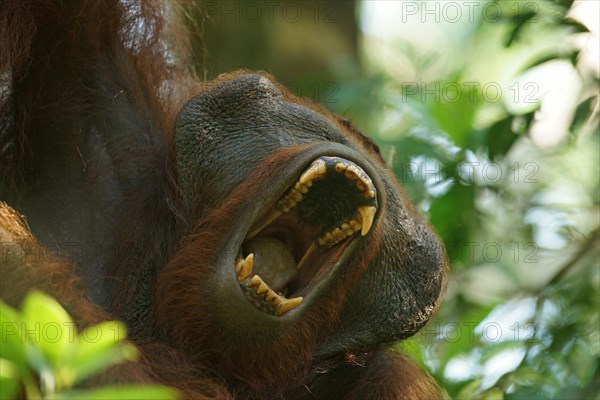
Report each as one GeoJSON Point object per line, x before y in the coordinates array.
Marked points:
{"type": "Point", "coordinates": [363, 218]}
{"type": "Point", "coordinates": [362, 221]}
{"type": "Point", "coordinates": [317, 171]}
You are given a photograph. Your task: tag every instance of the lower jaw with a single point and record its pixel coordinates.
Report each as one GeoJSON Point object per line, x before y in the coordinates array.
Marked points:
{"type": "Point", "coordinates": [235, 314]}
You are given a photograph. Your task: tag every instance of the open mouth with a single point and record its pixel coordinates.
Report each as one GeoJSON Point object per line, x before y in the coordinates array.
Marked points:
{"type": "Point", "coordinates": [292, 246]}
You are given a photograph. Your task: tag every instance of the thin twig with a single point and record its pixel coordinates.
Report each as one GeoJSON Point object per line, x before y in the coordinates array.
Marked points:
{"type": "Point", "coordinates": [592, 239]}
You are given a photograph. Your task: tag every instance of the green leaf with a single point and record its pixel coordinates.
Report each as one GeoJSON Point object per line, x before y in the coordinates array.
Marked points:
{"type": "Point", "coordinates": [500, 137]}
{"type": "Point", "coordinates": [101, 346]}
{"type": "Point", "coordinates": [133, 392]}
{"type": "Point", "coordinates": [522, 19]}
{"type": "Point", "coordinates": [582, 113]}
{"type": "Point", "coordinates": [581, 360]}
{"type": "Point", "coordinates": [99, 338]}
{"type": "Point", "coordinates": [577, 26]}
{"type": "Point", "coordinates": [48, 330]}
{"type": "Point", "coordinates": [493, 394]}
{"type": "Point", "coordinates": [456, 115]}
{"type": "Point", "coordinates": [468, 391]}
{"type": "Point", "coordinates": [454, 217]}
{"type": "Point", "coordinates": [9, 379]}
{"type": "Point", "coordinates": [13, 347]}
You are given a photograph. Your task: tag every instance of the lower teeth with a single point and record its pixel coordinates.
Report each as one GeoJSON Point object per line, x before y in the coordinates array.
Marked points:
{"type": "Point", "coordinates": [279, 304]}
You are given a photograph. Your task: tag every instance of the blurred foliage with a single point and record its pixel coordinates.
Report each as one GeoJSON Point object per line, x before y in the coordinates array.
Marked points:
{"type": "Point", "coordinates": [515, 201]}
{"type": "Point", "coordinates": [44, 356]}
{"type": "Point", "coordinates": [491, 124]}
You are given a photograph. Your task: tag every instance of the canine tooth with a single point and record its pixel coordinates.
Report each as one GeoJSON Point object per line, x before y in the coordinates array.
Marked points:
{"type": "Point", "coordinates": [316, 170]}
{"type": "Point", "coordinates": [369, 194]}
{"type": "Point", "coordinates": [243, 268]}
{"type": "Point", "coordinates": [367, 213]}
{"type": "Point", "coordinates": [307, 177]}
{"type": "Point", "coordinates": [288, 305]}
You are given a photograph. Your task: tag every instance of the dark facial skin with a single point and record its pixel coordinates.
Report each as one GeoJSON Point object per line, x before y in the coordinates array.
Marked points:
{"type": "Point", "coordinates": [381, 287]}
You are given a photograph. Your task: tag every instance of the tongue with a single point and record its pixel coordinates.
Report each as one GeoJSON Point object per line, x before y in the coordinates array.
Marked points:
{"type": "Point", "coordinates": [272, 261]}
